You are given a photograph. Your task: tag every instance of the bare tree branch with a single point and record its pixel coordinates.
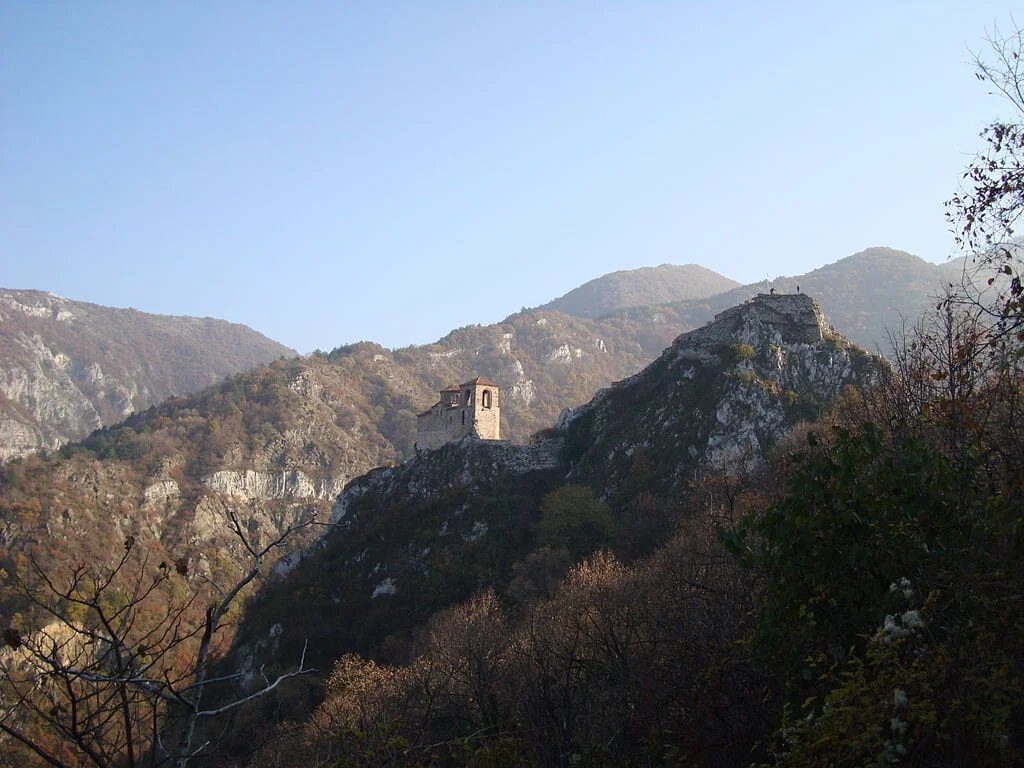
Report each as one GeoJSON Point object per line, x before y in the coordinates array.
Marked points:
{"type": "Point", "coordinates": [115, 663]}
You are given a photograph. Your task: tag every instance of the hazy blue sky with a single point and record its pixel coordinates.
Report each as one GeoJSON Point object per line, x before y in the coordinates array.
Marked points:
{"type": "Point", "coordinates": [327, 172]}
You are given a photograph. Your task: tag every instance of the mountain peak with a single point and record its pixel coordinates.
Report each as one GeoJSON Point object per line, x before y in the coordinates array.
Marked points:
{"type": "Point", "coordinates": [882, 252]}
{"type": "Point", "coordinates": [646, 286]}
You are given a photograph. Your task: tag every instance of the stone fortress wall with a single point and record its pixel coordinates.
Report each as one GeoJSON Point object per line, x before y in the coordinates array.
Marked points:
{"type": "Point", "coordinates": [465, 409]}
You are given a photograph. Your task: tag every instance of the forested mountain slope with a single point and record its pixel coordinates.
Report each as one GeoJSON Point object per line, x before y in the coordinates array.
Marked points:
{"type": "Point", "coordinates": [636, 657]}
{"type": "Point", "coordinates": [277, 443]}
{"type": "Point", "coordinates": [68, 367]}
{"type": "Point", "coordinates": [410, 539]}
{"type": "Point", "coordinates": [640, 288]}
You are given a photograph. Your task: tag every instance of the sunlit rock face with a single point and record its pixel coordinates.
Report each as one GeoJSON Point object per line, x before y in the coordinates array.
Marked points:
{"type": "Point", "coordinates": [67, 367]}
{"type": "Point", "coordinates": [293, 484]}
{"type": "Point", "coordinates": [42, 402]}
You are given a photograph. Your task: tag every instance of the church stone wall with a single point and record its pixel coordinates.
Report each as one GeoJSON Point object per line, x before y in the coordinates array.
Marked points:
{"type": "Point", "coordinates": [487, 419]}
{"type": "Point", "coordinates": [475, 412]}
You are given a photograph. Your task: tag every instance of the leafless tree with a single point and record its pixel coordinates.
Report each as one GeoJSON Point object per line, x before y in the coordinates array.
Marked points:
{"type": "Point", "coordinates": [111, 664]}
{"type": "Point", "coordinates": [986, 210]}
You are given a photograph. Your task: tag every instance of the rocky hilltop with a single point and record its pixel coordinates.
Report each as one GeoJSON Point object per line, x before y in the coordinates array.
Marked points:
{"type": "Point", "coordinates": [408, 539]}
{"type": "Point", "coordinates": [742, 381]}
{"type": "Point", "coordinates": [68, 367]}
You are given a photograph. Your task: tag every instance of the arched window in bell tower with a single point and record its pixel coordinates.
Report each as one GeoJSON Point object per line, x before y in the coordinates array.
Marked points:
{"type": "Point", "coordinates": [485, 398]}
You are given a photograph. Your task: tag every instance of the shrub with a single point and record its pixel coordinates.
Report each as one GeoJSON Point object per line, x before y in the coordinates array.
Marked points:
{"type": "Point", "coordinates": [739, 353]}
{"type": "Point", "coordinates": [572, 517]}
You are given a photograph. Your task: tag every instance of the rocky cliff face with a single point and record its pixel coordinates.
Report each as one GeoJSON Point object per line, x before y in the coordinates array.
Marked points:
{"type": "Point", "coordinates": [68, 368]}
{"type": "Point", "coordinates": [408, 539]}
{"type": "Point", "coordinates": [718, 398]}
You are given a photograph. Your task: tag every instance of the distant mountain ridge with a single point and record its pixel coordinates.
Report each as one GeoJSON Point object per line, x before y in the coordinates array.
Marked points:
{"type": "Point", "coordinates": [866, 295]}
{"type": "Point", "coordinates": [69, 367]}
{"type": "Point", "coordinates": [640, 287]}
{"type": "Point", "coordinates": [61, 378]}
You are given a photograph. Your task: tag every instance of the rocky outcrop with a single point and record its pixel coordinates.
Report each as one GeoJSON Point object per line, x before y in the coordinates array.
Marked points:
{"type": "Point", "coordinates": [765, 319]}
{"type": "Point", "coordinates": [719, 398]}
{"type": "Point", "coordinates": [465, 468]}
{"type": "Point", "coordinates": [160, 492]}
{"type": "Point", "coordinates": [294, 485]}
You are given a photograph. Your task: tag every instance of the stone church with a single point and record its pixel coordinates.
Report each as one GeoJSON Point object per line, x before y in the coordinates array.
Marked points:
{"type": "Point", "coordinates": [464, 409]}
